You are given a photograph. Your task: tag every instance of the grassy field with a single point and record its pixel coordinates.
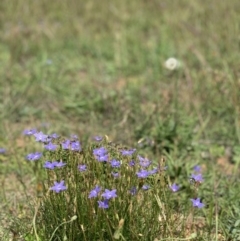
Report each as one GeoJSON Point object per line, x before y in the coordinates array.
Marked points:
{"type": "Point", "coordinates": [97, 68]}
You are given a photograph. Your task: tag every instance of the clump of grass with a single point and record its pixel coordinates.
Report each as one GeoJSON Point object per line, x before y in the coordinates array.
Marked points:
{"type": "Point", "coordinates": [103, 191]}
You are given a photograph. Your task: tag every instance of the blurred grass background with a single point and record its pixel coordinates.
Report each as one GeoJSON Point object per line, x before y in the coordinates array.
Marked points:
{"type": "Point", "coordinates": [85, 62]}
{"type": "Point", "coordinates": [97, 67]}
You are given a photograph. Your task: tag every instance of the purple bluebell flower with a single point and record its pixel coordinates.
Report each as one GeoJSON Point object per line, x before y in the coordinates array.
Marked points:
{"type": "Point", "coordinates": [101, 151]}
{"type": "Point", "coordinates": [197, 203]}
{"type": "Point", "coordinates": [2, 150]}
{"type": "Point", "coordinates": [29, 132]}
{"type": "Point", "coordinates": [50, 146]}
{"type": "Point", "coordinates": [133, 191]}
{"type": "Point", "coordinates": [76, 146]}
{"type": "Point", "coordinates": [94, 192]}
{"type": "Point", "coordinates": [115, 174]}
{"type": "Point", "coordinates": [40, 137]}
{"type": "Point", "coordinates": [82, 168]}
{"type": "Point", "coordinates": [66, 144]}
{"type": "Point", "coordinates": [58, 187]}
{"type": "Point", "coordinates": [101, 154]}
{"type": "Point", "coordinates": [34, 156]}
{"type": "Point", "coordinates": [115, 163]}
{"type": "Point", "coordinates": [49, 165]}
{"type": "Point", "coordinates": [144, 162]}
{"type": "Point", "coordinates": [197, 168]}
{"type": "Point", "coordinates": [109, 194]}
{"type": "Point", "coordinates": [128, 152]}
{"type": "Point", "coordinates": [131, 163]}
{"type": "Point", "coordinates": [102, 158]}
{"type": "Point", "coordinates": [174, 187]}
{"type": "Point", "coordinates": [98, 138]}
{"type": "Point", "coordinates": [153, 171]}
{"type": "Point", "coordinates": [143, 174]}
{"type": "Point", "coordinates": [145, 187]}
{"type": "Point", "coordinates": [59, 164]}
{"type": "Point", "coordinates": [103, 204]}
{"type": "Point", "coordinates": [197, 177]}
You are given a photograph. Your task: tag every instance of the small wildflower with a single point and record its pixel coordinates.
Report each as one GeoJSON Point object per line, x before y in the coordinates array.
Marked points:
{"type": "Point", "coordinates": [197, 203]}
{"type": "Point", "coordinates": [144, 162]}
{"type": "Point", "coordinates": [142, 174]}
{"type": "Point", "coordinates": [82, 168]}
{"type": "Point", "coordinates": [40, 137]}
{"type": "Point", "coordinates": [131, 163]}
{"type": "Point", "coordinates": [76, 146]}
{"type": "Point", "coordinates": [197, 168]}
{"type": "Point", "coordinates": [128, 152]}
{"type": "Point", "coordinates": [115, 163]}
{"type": "Point", "coordinates": [103, 204]}
{"type": "Point", "coordinates": [145, 187]}
{"type": "Point", "coordinates": [58, 187]}
{"type": "Point", "coordinates": [197, 177]}
{"type": "Point", "coordinates": [49, 165]}
{"type": "Point", "coordinates": [66, 144]}
{"type": "Point", "coordinates": [2, 150]}
{"type": "Point", "coordinates": [115, 174]}
{"type": "Point", "coordinates": [34, 156]}
{"type": "Point", "coordinates": [174, 187]}
{"type": "Point", "coordinates": [103, 158]}
{"type": "Point", "coordinates": [59, 164]}
{"type": "Point", "coordinates": [109, 194]}
{"type": "Point", "coordinates": [94, 192]}
{"type": "Point", "coordinates": [50, 146]}
{"type": "Point", "coordinates": [100, 151]}
{"type": "Point", "coordinates": [29, 132]}
{"type": "Point", "coordinates": [98, 138]}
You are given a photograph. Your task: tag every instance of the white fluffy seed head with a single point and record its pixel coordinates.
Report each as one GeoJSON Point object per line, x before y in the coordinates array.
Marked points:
{"type": "Point", "coordinates": [172, 64]}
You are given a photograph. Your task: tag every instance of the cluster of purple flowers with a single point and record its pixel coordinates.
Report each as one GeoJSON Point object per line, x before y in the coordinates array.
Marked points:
{"type": "Point", "coordinates": [107, 195]}
{"type": "Point", "coordinates": [197, 178]}
{"type": "Point", "coordinates": [101, 154]}
{"type": "Point", "coordinates": [144, 163]}
{"type": "Point", "coordinates": [40, 136]}
{"type": "Point", "coordinates": [71, 145]}
{"type": "Point", "coordinates": [197, 175]}
{"type": "Point", "coordinates": [48, 145]}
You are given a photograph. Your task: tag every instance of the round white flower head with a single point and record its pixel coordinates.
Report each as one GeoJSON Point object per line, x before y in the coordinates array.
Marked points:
{"type": "Point", "coordinates": [172, 64]}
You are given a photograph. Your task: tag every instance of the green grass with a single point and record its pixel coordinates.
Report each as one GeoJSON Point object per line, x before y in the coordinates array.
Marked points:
{"type": "Point", "coordinates": [97, 67]}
